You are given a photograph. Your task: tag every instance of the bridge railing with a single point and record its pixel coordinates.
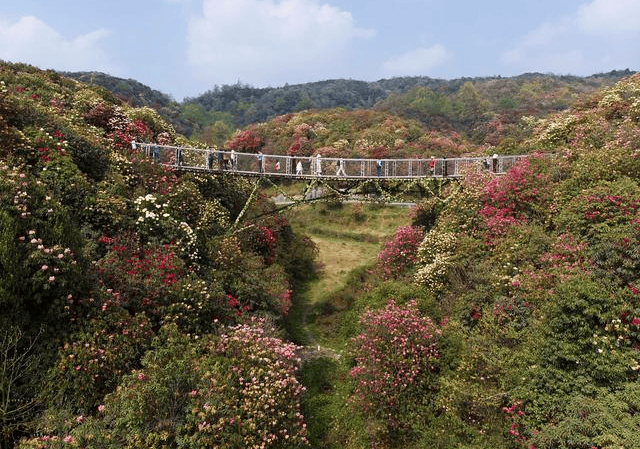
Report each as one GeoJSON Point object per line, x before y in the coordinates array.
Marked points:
{"type": "Point", "coordinates": [252, 164]}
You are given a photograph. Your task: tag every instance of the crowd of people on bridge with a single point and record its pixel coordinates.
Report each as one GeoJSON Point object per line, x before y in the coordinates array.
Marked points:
{"type": "Point", "coordinates": [225, 160]}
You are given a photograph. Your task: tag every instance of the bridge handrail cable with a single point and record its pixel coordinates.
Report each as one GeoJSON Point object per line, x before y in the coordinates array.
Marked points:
{"type": "Point", "coordinates": [254, 164]}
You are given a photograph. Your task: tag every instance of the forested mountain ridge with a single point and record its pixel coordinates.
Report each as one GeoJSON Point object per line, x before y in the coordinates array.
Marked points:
{"type": "Point", "coordinates": [237, 106]}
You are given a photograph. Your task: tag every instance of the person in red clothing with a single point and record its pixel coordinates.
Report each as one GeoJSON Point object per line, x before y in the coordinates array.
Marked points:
{"type": "Point", "coordinates": [432, 165]}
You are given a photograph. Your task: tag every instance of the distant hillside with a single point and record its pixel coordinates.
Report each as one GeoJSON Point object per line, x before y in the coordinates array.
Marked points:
{"type": "Point", "coordinates": [254, 105]}
{"type": "Point", "coordinates": [136, 94]}
{"type": "Point", "coordinates": [486, 109]}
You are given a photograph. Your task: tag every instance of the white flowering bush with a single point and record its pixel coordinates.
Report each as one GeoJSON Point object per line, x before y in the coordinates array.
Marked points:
{"type": "Point", "coordinates": [156, 222]}
{"type": "Point", "coordinates": [152, 215]}
{"type": "Point", "coordinates": [434, 259]}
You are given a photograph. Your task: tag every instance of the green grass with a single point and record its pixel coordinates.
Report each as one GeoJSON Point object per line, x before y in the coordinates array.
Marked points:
{"type": "Point", "coordinates": [348, 238]}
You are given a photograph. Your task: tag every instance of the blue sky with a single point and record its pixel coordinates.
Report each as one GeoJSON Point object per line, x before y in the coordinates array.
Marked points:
{"type": "Point", "coordinates": [186, 47]}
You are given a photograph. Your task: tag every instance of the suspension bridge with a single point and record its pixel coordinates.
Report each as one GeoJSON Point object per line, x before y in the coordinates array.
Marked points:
{"type": "Point", "coordinates": [317, 167]}
{"type": "Point", "coordinates": [327, 178]}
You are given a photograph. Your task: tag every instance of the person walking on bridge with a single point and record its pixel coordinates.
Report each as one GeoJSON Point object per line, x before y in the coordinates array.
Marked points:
{"type": "Point", "coordinates": [319, 165]}
{"type": "Point", "coordinates": [260, 162]}
{"type": "Point", "coordinates": [234, 160]}
{"type": "Point", "coordinates": [340, 167]}
{"type": "Point", "coordinates": [432, 166]}
{"type": "Point", "coordinates": [299, 167]}
{"type": "Point", "coordinates": [220, 160]}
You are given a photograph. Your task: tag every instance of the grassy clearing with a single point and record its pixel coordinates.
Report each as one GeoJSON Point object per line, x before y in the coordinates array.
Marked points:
{"type": "Point", "coordinates": [348, 237]}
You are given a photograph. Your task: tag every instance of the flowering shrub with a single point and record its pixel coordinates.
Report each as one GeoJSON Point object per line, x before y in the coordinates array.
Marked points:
{"type": "Point", "coordinates": [401, 253]}
{"type": "Point", "coordinates": [142, 278]}
{"type": "Point", "coordinates": [200, 307]}
{"type": "Point", "coordinates": [434, 259]}
{"type": "Point", "coordinates": [40, 250]}
{"type": "Point", "coordinates": [265, 238]}
{"type": "Point", "coordinates": [522, 194]}
{"type": "Point", "coordinates": [214, 218]}
{"type": "Point", "coordinates": [253, 399]}
{"type": "Point", "coordinates": [245, 141]}
{"type": "Point", "coordinates": [396, 358]}
{"type": "Point", "coordinates": [603, 206]}
{"type": "Point", "coordinates": [156, 223]}
{"type": "Point", "coordinates": [577, 353]}
{"type": "Point", "coordinates": [107, 212]}
{"type": "Point", "coordinates": [236, 390]}
{"type": "Point", "coordinates": [185, 202]}
{"type": "Point", "coordinates": [247, 278]}
{"type": "Point", "coordinates": [91, 363]}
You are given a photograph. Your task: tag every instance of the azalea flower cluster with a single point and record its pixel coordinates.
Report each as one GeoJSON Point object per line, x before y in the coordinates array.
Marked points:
{"type": "Point", "coordinates": [255, 402]}
{"type": "Point", "coordinates": [143, 278]}
{"type": "Point", "coordinates": [48, 144]}
{"type": "Point", "coordinates": [155, 221]}
{"type": "Point", "coordinates": [434, 259]}
{"type": "Point", "coordinates": [396, 358]}
{"type": "Point", "coordinates": [400, 253]}
{"type": "Point", "coordinates": [89, 366]}
{"type": "Point", "coordinates": [514, 198]}
{"type": "Point", "coordinates": [52, 261]}
{"type": "Point", "coordinates": [152, 215]}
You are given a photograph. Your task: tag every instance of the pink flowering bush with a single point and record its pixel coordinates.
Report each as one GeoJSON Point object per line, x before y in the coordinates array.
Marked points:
{"type": "Point", "coordinates": [236, 390]}
{"type": "Point", "coordinates": [399, 254]}
{"type": "Point", "coordinates": [252, 400]}
{"type": "Point", "coordinates": [40, 251]}
{"type": "Point", "coordinates": [521, 195]}
{"type": "Point", "coordinates": [396, 362]}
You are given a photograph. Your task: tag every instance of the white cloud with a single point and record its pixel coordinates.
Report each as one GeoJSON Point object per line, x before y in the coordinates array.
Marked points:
{"type": "Point", "coordinates": [533, 44]}
{"type": "Point", "coordinates": [609, 16]}
{"type": "Point", "coordinates": [420, 61]}
{"type": "Point", "coordinates": [598, 37]}
{"type": "Point", "coordinates": [32, 41]}
{"type": "Point", "coordinates": [256, 41]}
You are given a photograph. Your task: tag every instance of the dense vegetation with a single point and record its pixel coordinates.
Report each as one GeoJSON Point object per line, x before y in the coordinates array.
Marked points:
{"type": "Point", "coordinates": [140, 307]}
{"type": "Point", "coordinates": [130, 296]}
{"type": "Point", "coordinates": [486, 109]}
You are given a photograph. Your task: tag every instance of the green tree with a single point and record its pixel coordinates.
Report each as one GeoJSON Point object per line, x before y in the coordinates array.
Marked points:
{"type": "Point", "coordinates": [426, 101]}
{"type": "Point", "coordinates": [216, 134]}
{"type": "Point", "coordinates": [470, 105]}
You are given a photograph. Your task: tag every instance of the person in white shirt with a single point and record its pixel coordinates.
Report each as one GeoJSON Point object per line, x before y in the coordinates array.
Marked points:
{"type": "Point", "coordinates": [340, 166]}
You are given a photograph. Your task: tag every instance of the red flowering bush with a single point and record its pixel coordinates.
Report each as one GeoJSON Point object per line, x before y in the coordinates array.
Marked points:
{"type": "Point", "coordinates": [396, 360]}
{"type": "Point", "coordinates": [245, 141]}
{"type": "Point", "coordinates": [522, 194]}
{"type": "Point", "coordinates": [601, 207]}
{"type": "Point", "coordinates": [400, 254]}
{"type": "Point", "coordinates": [141, 277]}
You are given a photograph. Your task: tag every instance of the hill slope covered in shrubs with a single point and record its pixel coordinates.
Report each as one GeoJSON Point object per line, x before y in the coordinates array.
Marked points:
{"type": "Point", "coordinates": [138, 311]}
{"type": "Point", "coordinates": [129, 299]}
{"type": "Point", "coordinates": [527, 286]}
